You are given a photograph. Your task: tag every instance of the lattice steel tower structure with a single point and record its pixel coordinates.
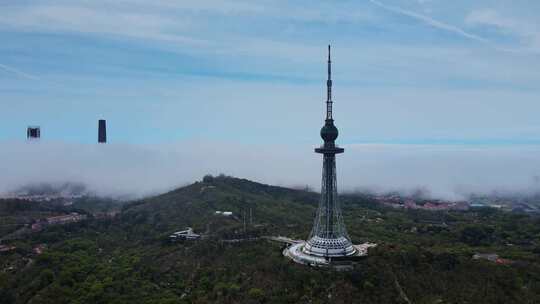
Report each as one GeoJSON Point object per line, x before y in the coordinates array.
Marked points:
{"type": "Point", "coordinates": [329, 236]}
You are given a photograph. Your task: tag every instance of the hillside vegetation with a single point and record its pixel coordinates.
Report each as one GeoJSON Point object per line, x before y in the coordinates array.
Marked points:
{"type": "Point", "coordinates": [422, 257]}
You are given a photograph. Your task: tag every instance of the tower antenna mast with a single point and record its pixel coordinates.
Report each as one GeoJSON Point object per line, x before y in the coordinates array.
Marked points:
{"type": "Point", "coordinates": [329, 88]}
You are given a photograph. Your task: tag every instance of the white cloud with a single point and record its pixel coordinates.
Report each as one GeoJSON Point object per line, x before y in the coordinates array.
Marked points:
{"type": "Point", "coordinates": [220, 6]}
{"type": "Point", "coordinates": [135, 170]}
{"type": "Point", "coordinates": [527, 32]}
{"type": "Point", "coordinates": [161, 20]}
{"type": "Point", "coordinates": [97, 20]}
{"type": "Point", "coordinates": [444, 171]}
{"type": "Point", "coordinates": [489, 17]}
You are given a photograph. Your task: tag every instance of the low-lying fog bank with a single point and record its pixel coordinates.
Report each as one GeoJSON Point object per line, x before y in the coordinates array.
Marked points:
{"type": "Point", "coordinates": [440, 171]}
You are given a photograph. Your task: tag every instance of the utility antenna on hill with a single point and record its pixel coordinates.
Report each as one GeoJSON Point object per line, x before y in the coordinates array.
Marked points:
{"type": "Point", "coordinates": [244, 217]}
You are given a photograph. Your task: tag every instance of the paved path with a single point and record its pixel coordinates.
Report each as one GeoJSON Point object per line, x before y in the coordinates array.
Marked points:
{"type": "Point", "coordinates": [282, 239]}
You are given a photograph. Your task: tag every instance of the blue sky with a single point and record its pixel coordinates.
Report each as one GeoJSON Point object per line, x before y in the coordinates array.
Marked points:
{"type": "Point", "coordinates": [405, 71]}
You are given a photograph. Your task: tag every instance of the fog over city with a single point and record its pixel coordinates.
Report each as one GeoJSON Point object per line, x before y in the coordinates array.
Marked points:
{"type": "Point", "coordinates": [441, 171]}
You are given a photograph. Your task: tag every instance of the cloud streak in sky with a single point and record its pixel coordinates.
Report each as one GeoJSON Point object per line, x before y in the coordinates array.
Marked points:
{"type": "Point", "coordinates": [98, 20]}
{"type": "Point", "coordinates": [430, 21]}
{"type": "Point", "coordinates": [17, 72]}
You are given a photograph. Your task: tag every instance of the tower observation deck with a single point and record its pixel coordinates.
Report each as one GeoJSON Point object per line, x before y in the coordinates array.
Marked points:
{"type": "Point", "coordinates": [328, 240]}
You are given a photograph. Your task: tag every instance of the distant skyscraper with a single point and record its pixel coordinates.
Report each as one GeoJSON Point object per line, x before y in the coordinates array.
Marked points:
{"type": "Point", "coordinates": [102, 131]}
{"type": "Point", "coordinates": [33, 132]}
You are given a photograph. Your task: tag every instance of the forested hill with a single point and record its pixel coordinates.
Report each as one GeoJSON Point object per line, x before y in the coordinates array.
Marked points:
{"type": "Point", "coordinates": [195, 205]}
{"type": "Point", "coordinates": [423, 257]}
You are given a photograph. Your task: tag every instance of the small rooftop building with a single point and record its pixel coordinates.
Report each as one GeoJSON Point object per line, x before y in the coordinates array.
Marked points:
{"type": "Point", "coordinates": [486, 256]}
{"type": "Point", "coordinates": [65, 219]}
{"type": "Point", "coordinates": [187, 234]}
{"type": "Point", "coordinates": [224, 213]}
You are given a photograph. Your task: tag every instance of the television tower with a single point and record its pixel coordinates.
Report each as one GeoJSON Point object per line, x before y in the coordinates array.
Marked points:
{"type": "Point", "coordinates": [329, 244]}
{"type": "Point", "coordinates": [329, 236]}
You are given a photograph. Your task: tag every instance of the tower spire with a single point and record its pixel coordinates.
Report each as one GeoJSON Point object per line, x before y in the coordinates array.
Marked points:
{"type": "Point", "coordinates": [329, 88]}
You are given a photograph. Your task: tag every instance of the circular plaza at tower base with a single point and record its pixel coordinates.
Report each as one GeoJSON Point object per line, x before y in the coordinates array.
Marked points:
{"type": "Point", "coordinates": [297, 253]}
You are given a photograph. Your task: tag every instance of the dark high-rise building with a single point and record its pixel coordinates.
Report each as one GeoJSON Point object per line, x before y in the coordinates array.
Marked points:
{"type": "Point", "coordinates": [102, 131]}
{"type": "Point", "coordinates": [33, 132]}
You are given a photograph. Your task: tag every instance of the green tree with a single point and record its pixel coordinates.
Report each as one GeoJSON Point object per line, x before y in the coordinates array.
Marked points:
{"type": "Point", "coordinates": [256, 294]}
{"type": "Point", "coordinates": [46, 277]}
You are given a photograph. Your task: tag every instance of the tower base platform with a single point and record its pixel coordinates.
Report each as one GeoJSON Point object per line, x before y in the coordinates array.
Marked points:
{"type": "Point", "coordinates": [296, 253]}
